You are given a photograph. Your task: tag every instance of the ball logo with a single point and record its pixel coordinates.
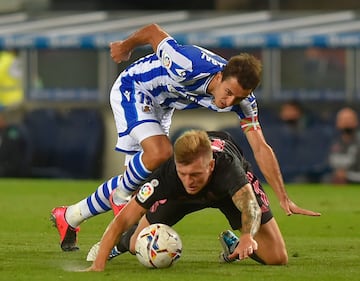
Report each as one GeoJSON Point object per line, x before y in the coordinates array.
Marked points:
{"type": "Point", "coordinates": [145, 192]}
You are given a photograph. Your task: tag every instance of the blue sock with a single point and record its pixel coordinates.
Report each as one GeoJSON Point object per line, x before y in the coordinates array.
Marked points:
{"type": "Point", "coordinates": [96, 203]}
{"type": "Point", "coordinates": [135, 173]}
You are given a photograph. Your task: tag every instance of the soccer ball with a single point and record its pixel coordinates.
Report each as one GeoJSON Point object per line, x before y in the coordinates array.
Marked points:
{"type": "Point", "coordinates": [158, 246]}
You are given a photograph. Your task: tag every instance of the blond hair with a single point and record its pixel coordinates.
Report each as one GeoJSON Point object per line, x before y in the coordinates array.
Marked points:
{"type": "Point", "coordinates": [191, 145]}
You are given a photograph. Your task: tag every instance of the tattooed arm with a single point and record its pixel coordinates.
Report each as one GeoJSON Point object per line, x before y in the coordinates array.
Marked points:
{"type": "Point", "coordinates": [245, 200]}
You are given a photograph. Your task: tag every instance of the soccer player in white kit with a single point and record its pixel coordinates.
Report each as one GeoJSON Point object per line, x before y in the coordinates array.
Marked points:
{"type": "Point", "coordinates": [143, 99]}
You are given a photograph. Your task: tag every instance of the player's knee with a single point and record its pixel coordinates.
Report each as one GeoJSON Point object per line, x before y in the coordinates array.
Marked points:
{"type": "Point", "coordinates": [284, 258]}
{"type": "Point", "coordinates": [161, 154]}
{"type": "Point", "coordinates": [165, 152]}
{"type": "Point", "coordinates": [279, 257]}
{"type": "Point", "coordinates": [158, 156]}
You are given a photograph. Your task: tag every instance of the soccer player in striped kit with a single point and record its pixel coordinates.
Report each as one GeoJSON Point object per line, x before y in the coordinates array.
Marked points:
{"type": "Point", "coordinates": [143, 99]}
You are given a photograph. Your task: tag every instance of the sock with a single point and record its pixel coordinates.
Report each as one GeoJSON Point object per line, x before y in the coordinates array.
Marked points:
{"type": "Point", "coordinates": [96, 203]}
{"type": "Point", "coordinates": [135, 174]}
{"type": "Point", "coordinates": [124, 243]}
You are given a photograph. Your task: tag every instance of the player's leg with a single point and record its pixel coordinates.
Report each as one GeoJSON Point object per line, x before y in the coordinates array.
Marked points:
{"type": "Point", "coordinates": [142, 224]}
{"type": "Point", "coordinates": [94, 204]}
{"type": "Point", "coordinates": [68, 219]}
{"type": "Point", "coordinates": [143, 135]}
{"type": "Point", "coordinates": [271, 246]}
{"type": "Point", "coordinates": [156, 149]}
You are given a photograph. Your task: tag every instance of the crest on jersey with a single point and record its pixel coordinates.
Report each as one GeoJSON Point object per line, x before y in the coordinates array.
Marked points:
{"type": "Point", "coordinates": [146, 109]}
{"type": "Point", "coordinates": [166, 60]}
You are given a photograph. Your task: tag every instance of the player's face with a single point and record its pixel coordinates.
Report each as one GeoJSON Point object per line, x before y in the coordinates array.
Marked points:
{"type": "Point", "coordinates": [229, 92]}
{"type": "Point", "coordinates": [196, 175]}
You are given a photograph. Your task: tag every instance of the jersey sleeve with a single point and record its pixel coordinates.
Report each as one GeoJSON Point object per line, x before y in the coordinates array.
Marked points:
{"type": "Point", "coordinates": [240, 180]}
{"type": "Point", "coordinates": [187, 62]}
{"type": "Point", "coordinates": [156, 186]}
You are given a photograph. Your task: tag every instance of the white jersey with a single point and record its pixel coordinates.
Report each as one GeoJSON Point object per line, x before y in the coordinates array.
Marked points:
{"type": "Point", "coordinates": [176, 77]}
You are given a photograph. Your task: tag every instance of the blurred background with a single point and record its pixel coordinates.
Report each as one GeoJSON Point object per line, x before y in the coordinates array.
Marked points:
{"type": "Point", "coordinates": [56, 73]}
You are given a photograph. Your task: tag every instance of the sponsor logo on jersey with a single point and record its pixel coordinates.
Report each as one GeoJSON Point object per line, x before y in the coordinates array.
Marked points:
{"type": "Point", "coordinates": [127, 95]}
{"type": "Point", "coordinates": [145, 192]}
{"type": "Point", "coordinates": [206, 56]}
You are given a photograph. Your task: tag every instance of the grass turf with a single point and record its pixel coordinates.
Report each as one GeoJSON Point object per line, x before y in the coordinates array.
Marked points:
{"type": "Point", "coordinates": [320, 248]}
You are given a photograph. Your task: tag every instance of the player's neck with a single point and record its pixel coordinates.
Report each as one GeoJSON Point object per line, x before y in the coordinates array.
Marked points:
{"type": "Point", "coordinates": [215, 80]}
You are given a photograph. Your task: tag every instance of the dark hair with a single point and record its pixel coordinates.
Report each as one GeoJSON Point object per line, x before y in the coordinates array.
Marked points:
{"type": "Point", "coordinates": [246, 68]}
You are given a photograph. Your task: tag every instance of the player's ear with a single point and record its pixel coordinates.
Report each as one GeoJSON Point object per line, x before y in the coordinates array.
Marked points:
{"type": "Point", "coordinates": [212, 165]}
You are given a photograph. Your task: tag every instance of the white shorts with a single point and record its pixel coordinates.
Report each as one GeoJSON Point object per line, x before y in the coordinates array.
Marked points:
{"type": "Point", "coordinates": [137, 117]}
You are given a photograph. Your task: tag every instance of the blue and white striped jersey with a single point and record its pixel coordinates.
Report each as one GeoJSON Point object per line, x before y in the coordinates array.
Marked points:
{"type": "Point", "coordinates": [177, 76]}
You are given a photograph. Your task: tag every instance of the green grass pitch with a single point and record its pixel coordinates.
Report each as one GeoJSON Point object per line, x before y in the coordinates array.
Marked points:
{"type": "Point", "coordinates": [320, 248]}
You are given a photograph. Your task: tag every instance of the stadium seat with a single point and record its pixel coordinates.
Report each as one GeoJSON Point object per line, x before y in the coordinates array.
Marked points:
{"type": "Point", "coordinates": [80, 144]}
{"type": "Point", "coordinates": [66, 145]}
{"type": "Point", "coordinates": [313, 152]}
{"type": "Point", "coordinates": [42, 126]}
{"type": "Point", "coordinates": [15, 151]}
{"type": "Point", "coordinates": [302, 156]}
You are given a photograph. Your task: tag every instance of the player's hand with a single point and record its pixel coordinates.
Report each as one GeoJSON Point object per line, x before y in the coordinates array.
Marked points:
{"type": "Point", "coordinates": [291, 208]}
{"type": "Point", "coordinates": [119, 52]}
{"type": "Point", "coordinates": [92, 268]}
{"type": "Point", "coordinates": [246, 247]}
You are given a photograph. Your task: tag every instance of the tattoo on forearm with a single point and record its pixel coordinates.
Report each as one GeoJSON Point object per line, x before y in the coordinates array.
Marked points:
{"type": "Point", "coordinates": [244, 199]}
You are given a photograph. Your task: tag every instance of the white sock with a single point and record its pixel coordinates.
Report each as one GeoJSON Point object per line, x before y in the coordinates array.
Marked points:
{"type": "Point", "coordinates": [94, 204]}
{"type": "Point", "coordinates": [134, 174]}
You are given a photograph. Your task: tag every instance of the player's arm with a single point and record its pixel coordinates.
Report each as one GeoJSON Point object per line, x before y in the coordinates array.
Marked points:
{"type": "Point", "coordinates": [150, 34]}
{"type": "Point", "coordinates": [267, 162]}
{"type": "Point", "coordinates": [245, 200]}
{"type": "Point", "coordinates": [269, 166]}
{"type": "Point", "coordinates": [129, 216]}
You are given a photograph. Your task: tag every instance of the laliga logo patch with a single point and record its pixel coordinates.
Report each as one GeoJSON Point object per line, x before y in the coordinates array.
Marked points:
{"type": "Point", "coordinates": [145, 192]}
{"type": "Point", "coordinates": [166, 61]}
